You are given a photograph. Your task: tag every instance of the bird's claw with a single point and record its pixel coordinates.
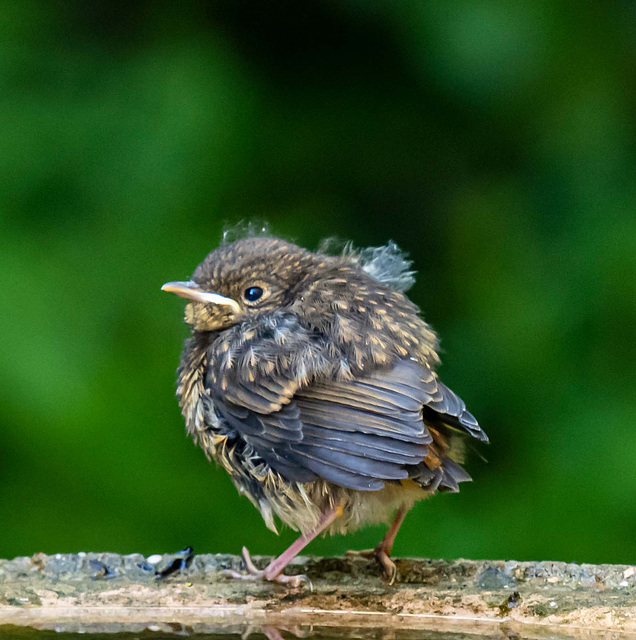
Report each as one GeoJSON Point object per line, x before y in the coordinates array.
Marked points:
{"type": "Point", "coordinates": [253, 573]}
{"type": "Point", "coordinates": [381, 554]}
{"type": "Point", "coordinates": [390, 569]}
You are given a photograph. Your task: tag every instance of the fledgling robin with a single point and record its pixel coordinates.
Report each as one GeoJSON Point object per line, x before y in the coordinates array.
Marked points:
{"type": "Point", "coordinates": [310, 378]}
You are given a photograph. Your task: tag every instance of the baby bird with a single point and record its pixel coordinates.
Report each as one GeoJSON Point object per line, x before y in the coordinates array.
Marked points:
{"type": "Point", "coordinates": [311, 379]}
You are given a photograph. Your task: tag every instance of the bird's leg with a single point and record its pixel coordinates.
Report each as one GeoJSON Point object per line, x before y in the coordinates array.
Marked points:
{"type": "Point", "coordinates": [273, 572]}
{"type": "Point", "coordinates": [383, 550]}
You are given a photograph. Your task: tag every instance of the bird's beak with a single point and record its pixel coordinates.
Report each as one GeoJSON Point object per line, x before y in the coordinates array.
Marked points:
{"type": "Point", "coordinates": [192, 291]}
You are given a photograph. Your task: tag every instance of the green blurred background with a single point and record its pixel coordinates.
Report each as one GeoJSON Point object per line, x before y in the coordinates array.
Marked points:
{"type": "Point", "coordinates": [493, 141]}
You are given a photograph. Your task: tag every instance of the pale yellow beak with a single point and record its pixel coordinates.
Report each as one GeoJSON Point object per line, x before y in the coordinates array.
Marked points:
{"type": "Point", "coordinates": [192, 291]}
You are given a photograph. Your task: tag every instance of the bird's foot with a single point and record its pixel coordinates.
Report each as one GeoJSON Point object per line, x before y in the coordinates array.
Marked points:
{"type": "Point", "coordinates": [363, 553]}
{"type": "Point", "coordinates": [271, 573]}
{"type": "Point", "coordinates": [381, 554]}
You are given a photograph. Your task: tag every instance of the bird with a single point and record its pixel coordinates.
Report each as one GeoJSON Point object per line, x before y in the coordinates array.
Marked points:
{"type": "Point", "coordinates": [311, 379]}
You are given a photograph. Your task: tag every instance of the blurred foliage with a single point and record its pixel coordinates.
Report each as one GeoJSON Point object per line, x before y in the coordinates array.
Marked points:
{"type": "Point", "coordinates": [493, 141]}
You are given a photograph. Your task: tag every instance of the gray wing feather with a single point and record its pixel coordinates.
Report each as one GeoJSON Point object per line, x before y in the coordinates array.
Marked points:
{"type": "Point", "coordinates": [451, 410]}
{"type": "Point", "coordinates": [354, 433]}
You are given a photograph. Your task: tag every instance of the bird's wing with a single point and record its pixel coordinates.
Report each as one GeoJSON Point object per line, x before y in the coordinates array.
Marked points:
{"type": "Point", "coordinates": [447, 408]}
{"type": "Point", "coordinates": [374, 427]}
{"type": "Point", "coordinates": [274, 385]}
{"type": "Point", "coordinates": [355, 433]}
{"type": "Point", "coordinates": [359, 433]}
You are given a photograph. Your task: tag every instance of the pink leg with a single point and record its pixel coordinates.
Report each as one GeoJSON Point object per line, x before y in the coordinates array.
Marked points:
{"type": "Point", "coordinates": [383, 550]}
{"type": "Point", "coordinates": [389, 538]}
{"type": "Point", "coordinates": [274, 570]}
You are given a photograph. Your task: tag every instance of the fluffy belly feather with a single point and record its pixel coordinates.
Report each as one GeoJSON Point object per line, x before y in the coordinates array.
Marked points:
{"type": "Point", "coordinates": [300, 506]}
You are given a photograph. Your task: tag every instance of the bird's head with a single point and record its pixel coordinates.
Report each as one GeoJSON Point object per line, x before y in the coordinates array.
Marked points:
{"type": "Point", "coordinates": [244, 278]}
{"type": "Point", "coordinates": [355, 298]}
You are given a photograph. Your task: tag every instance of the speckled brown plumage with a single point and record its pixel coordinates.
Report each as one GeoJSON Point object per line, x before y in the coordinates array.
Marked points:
{"type": "Point", "coordinates": [311, 379]}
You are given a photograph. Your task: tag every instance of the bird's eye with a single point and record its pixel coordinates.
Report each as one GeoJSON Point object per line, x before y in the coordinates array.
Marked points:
{"type": "Point", "coordinates": [252, 294]}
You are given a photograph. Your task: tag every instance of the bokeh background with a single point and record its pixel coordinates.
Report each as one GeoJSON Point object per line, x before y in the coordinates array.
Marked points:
{"type": "Point", "coordinates": [493, 141]}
